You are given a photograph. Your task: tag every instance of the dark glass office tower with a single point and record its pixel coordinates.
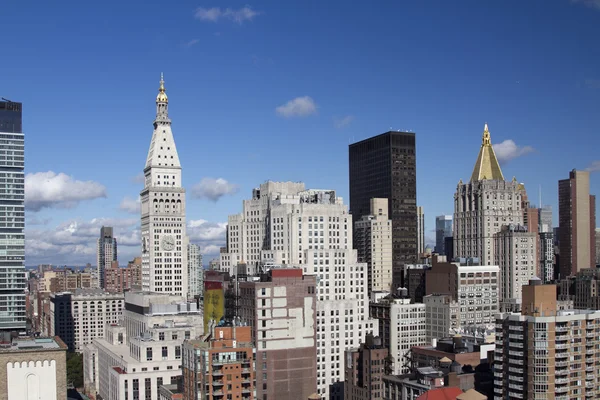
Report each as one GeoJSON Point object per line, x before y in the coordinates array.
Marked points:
{"type": "Point", "coordinates": [384, 166]}
{"type": "Point", "coordinates": [12, 218]}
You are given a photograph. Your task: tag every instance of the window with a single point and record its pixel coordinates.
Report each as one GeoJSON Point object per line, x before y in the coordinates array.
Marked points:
{"type": "Point", "coordinates": [187, 334]}
{"type": "Point", "coordinates": [148, 353]}
{"type": "Point", "coordinates": [148, 389]}
{"type": "Point", "coordinates": [174, 336]}
{"type": "Point", "coordinates": [161, 336]}
{"type": "Point", "coordinates": [136, 389]}
{"type": "Point", "coordinates": [165, 352]}
{"type": "Point", "coordinates": [177, 352]}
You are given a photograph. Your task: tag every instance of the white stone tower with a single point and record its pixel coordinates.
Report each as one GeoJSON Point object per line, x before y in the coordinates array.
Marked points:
{"type": "Point", "coordinates": [164, 239]}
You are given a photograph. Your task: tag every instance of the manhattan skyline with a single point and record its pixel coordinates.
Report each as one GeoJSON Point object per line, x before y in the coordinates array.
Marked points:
{"type": "Point", "coordinates": [271, 91]}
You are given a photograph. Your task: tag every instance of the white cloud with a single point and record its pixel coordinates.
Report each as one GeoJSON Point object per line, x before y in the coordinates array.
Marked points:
{"type": "Point", "coordinates": [210, 236]}
{"type": "Point", "coordinates": [52, 190]}
{"type": "Point", "coordinates": [343, 121]}
{"type": "Point", "coordinates": [213, 189]}
{"type": "Point", "coordinates": [130, 205]}
{"type": "Point", "coordinates": [215, 13]}
{"type": "Point", "coordinates": [191, 42]}
{"type": "Point", "coordinates": [594, 166]}
{"type": "Point", "coordinates": [298, 107]}
{"type": "Point", "coordinates": [73, 242]}
{"type": "Point", "coordinates": [589, 3]}
{"type": "Point", "coordinates": [509, 150]}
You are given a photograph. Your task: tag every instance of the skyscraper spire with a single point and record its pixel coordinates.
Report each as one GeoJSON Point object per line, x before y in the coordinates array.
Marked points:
{"type": "Point", "coordinates": [487, 166]}
{"type": "Point", "coordinates": [162, 104]}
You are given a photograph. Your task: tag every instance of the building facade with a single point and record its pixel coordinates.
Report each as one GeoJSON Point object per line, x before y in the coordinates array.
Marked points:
{"type": "Point", "coordinates": [403, 325]}
{"type": "Point", "coordinates": [164, 239]}
{"type": "Point", "coordinates": [285, 224]}
{"type": "Point", "coordinates": [545, 353]}
{"type": "Point", "coordinates": [373, 243]}
{"type": "Point", "coordinates": [384, 166]}
{"type": "Point", "coordinates": [365, 368]}
{"type": "Point", "coordinates": [106, 253]}
{"type": "Point", "coordinates": [442, 316]}
{"type": "Point", "coordinates": [195, 270]}
{"type": "Point", "coordinates": [443, 229]}
{"type": "Point", "coordinates": [577, 223]}
{"type": "Point", "coordinates": [483, 205]}
{"type": "Point", "coordinates": [118, 280]}
{"type": "Point", "coordinates": [517, 256]}
{"type": "Point", "coordinates": [33, 368]}
{"type": "Point", "coordinates": [81, 316]}
{"type": "Point", "coordinates": [475, 287]}
{"type": "Point", "coordinates": [144, 351]}
{"type": "Point", "coordinates": [281, 310]}
{"type": "Point", "coordinates": [546, 252]}
{"type": "Point", "coordinates": [420, 231]}
{"type": "Point", "coordinates": [221, 365]}
{"type": "Point", "coordinates": [12, 221]}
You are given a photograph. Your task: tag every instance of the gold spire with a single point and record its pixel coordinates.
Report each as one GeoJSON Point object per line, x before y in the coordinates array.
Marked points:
{"type": "Point", "coordinates": [486, 167]}
{"type": "Point", "coordinates": [162, 96]}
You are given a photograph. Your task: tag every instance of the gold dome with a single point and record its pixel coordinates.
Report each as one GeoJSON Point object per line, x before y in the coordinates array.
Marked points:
{"type": "Point", "coordinates": [162, 96]}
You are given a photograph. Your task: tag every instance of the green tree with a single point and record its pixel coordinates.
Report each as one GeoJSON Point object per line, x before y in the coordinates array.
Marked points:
{"type": "Point", "coordinates": [75, 369]}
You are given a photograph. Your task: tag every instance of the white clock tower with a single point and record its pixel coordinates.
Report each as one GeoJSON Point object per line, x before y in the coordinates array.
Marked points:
{"type": "Point", "coordinates": [164, 239]}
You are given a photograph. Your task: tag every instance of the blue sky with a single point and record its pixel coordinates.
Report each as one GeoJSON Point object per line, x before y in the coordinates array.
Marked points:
{"type": "Point", "coordinates": [87, 73]}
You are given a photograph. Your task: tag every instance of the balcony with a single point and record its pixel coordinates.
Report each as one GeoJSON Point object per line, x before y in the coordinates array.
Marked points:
{"type": "Point", "coordinates": [561, 372]}
{"type": "Point", "coordinates": [590, 384]}
{"type": "Point", "coordinates": [498, 390]}
{"type": "Point", "coordinates": [561, 389]}
{"type": "Point", "coordinates": [561, 381]}
{"type": "Point", "coordinates": [217, 393]}
{"type": "Point", "coordinates": [515, 370]}
{"type": "Point", "coordinates": [561, 328]}
{"type": "Point", "coordinates": [246, 371]}
{"type": "Point", "coordinates": [590, 377]}
{"type": "Point", "coordinates": [217, 383]}
{"type": "Point", "coordinates": [217, 373]}
{"type": "Point", "coordinates": [515, 378]}
{"type": "Point", "coordinates": [561, 364]}
{"type": "Point", "coordinates": [561, 346]}
{"type": "Point", "coordinates": [590, 335]}
{"type": "Point", "coordinates": [563, 354]}
{"type": "Point", "coordinates": [589, 352]}
{"type": "Point", "coordinates": [515, 337]}
{"type": "Point", "coordinates": [515, 395]}
{"type": "Point", "coordinates": [518, 345]}
{"type": "Point", "coordinates": [498, 375]}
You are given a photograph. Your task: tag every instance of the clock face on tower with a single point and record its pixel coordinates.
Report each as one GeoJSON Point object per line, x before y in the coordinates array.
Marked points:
{"type": "Point", "coordinates": [168, 243]}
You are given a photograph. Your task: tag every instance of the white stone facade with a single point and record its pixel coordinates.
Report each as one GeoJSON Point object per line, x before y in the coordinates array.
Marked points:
{"type": "Point", "coordinates": [85, 313]}
{"type": "Point", "coordinates": [478, 293]}
{"type": "Point", "coordinates": [442, 316]}
{"type": "Point", "coordinates": [195, 270]}
{"type": "Point", "coordinates": [517, 256]}
{"type": "Point", "coordinates": [373, 236]}
{"type": "Point", "coordinates": [311, 229]}
{"type": "Point", "coordinates": [164, 239]}
{"type": "Point", "coordinates": [146, 349]}
{"type": "Point", "coordinates": [481, 208]}
{"type": "Point", "coordinates": [407, 329]}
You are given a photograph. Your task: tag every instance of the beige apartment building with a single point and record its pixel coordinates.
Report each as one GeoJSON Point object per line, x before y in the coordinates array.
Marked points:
{"type": "Point", "coordinates": [373, 235]}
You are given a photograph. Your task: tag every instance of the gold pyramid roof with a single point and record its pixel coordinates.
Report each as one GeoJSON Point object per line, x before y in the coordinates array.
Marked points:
{"type": "Point", "coordinates": [487, 166]}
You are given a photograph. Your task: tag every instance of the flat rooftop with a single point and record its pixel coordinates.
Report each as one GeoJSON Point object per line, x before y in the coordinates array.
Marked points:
{"type": "Point", "coordinates": [32, 344]}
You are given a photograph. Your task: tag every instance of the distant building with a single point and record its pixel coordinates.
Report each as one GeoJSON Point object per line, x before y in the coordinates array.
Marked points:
{"type": "Point", "coordinates": [442, 316]}
{"type": "Point", "coordinates": [463, 350]}
{"type": "Point", "coordinates": [373, 243]}
{"type": "Point", "coordinates": [597, 246]}
{"type": "Point", "coordinates": [195, 271]}
{"type": "Point", "coordinates": [577, 223]}
{"type": "Point", "coordinates": [402, 326]}
{"type": "Point", "coordinates": [12, 218]}
{"type": "Point", "coordinates": [33, 368]}
{"type": "Point", "coordinates": [484, 204]}
{"type": "Point", "coordinates": [282, 311]}
{"type": "Point", "coordinates": [81, 316]}
{"type": "Point", "coordinates": [420, 231]}
{"type": "Point", "coordinates": [545, 219]}
{"type": "Point", "coordinates": [106, 253]}
{"type": "Point", "coordinates": [474, 287]}
{"type": "Point", "coordinates": [517, 256]}
{"type": "Point", "coordinates": [384, 166]}
{"type": "Point", "coordinates": [220, 365]}
{"type": "Point", "coordinates": [521, 371]}
{"type": "Point", "coordinates": [365, 368]}
{"type": "Point", "coordinates": [443, 229]}
{"type": "Point", "coordinates": [546, 252]}
{"type": "Point", "coordinates": [118, 280]}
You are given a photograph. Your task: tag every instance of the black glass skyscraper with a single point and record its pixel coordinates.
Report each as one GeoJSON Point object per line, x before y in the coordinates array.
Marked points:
{"type": "Point", "coordinates": [12, 218]}
{"type": "Point", "coordinates": [384, 166]}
